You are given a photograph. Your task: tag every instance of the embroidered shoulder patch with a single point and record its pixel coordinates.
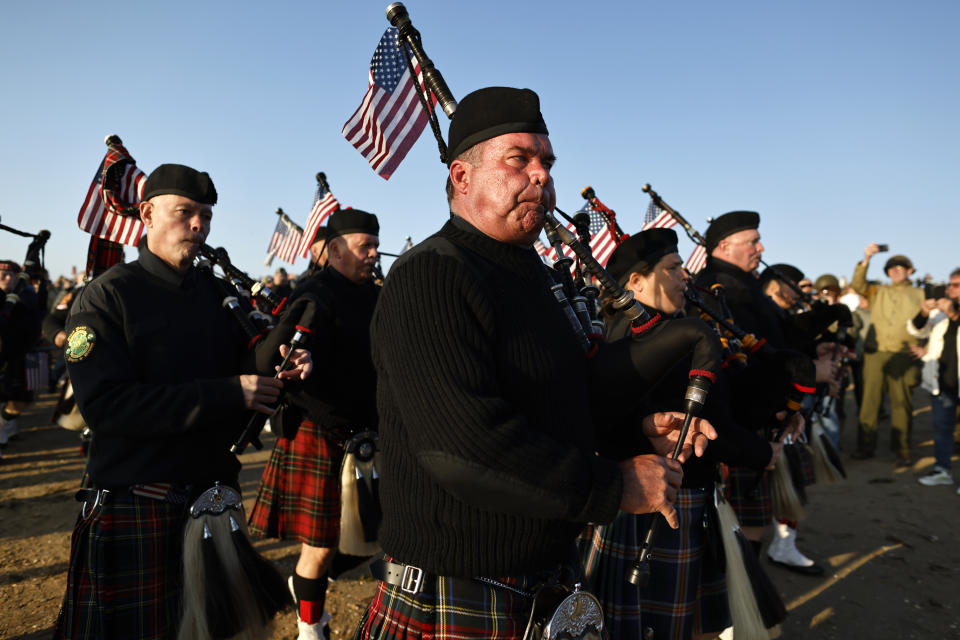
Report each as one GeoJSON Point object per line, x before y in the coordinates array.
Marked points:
{"type": "Point", "coordinates": [79, 343]}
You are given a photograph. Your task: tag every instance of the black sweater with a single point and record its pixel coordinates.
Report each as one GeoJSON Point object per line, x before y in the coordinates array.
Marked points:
{"type": "Point", "coordinates": [340, 393]}
{"type": "Point", "coordinates": [154, 359]}
{"type": "Point", "coordinates": [486, 433]}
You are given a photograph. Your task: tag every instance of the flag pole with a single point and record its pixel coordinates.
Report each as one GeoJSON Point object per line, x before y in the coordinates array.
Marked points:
{"type": "Point", "coordinates": [692, 233]}
{"type": "Point", "coordinates": [608, 214]}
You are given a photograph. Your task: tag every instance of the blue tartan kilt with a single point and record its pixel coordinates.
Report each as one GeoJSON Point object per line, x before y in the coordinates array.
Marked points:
{"type": "Point", "coordinates": [125, 578]}
{"type": "Point", "coordinates": [749, 497]}
{"type": "Point", "coordinates": [684, 595]}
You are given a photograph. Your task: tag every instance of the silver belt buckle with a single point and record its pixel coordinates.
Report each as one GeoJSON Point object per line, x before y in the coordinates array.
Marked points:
{"type": "Point", "coordinates": [411, 580]}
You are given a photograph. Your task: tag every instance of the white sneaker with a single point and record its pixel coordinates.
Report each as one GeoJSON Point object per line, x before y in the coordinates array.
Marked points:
{"type": "Point", "coordinates": [939, 476]}
{"type": "Point", "coordinates": [317, 630]}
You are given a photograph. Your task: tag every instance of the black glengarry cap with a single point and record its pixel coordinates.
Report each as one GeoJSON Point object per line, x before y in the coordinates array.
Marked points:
{"type": "Point", "coordinates": [785, 270]}
{"type": "Point", "coordinates": [344, 221]}
{"type": "Point", "coordinates": [180, 180]}
{"type": "Point", "coordinates": [491, 112]}
{"type": "Point", "coordinates": [641, 251]}
{"type": "Point", "coordinates": [728, 224]}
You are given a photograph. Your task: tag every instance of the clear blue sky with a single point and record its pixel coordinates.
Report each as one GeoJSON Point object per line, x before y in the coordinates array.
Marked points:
{"type": "Point", "coordinates": [837, 121]}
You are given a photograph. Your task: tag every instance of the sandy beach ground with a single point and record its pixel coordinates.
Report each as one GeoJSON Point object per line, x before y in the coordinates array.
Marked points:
{"type": "Point", "coordinates": [890, 545]}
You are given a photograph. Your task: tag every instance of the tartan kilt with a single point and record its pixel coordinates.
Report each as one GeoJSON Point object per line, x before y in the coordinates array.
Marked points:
{"type": "Point", "coordinates": [125, 578]}
{"type": "Point", "coordinates": [750, 499]}
{"type": "Point", "coordinates": [683, 596]}
{"type": "Point", "coordinates": [456, 609]}
{"type": "Point", "coordinates": [299, 493]}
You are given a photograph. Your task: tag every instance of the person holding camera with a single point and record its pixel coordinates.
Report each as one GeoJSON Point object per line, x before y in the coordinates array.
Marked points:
{"type": "Point", "coordinates": [938, 320]}
{"type": "Point", "coordinates": [887, 360]}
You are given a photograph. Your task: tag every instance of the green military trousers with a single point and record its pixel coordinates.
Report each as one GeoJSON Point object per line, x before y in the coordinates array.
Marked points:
{"type": "Point", "coordinates": [896, 373]}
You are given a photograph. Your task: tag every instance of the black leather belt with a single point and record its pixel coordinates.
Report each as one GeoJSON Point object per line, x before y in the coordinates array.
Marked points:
{"type": "Point", "coordinates": [410, 579]}
{"type": "Point", "coordinates": [414, 580]}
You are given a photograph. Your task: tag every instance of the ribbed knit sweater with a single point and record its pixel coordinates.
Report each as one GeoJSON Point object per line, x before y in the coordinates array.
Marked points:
{"type": "Point", "coordinates": [485, 427]}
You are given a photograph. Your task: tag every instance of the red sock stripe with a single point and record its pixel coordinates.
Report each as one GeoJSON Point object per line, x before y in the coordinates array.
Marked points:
{"type": "Point", "coordinates": [703, 372]}
{"type": "Point", "coordinates": [310, 611]}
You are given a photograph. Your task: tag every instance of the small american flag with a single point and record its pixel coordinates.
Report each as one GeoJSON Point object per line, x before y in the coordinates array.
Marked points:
{"type": "Point", "coordinates": [697, 259]}
{"type": "Point", "coordinates": [285, 240]}
{"type": "Point", "coordinates": [544, 253]}
{"type": "Point", "coordinates": [110, 208]}
{"type": "Point", "coordinates": [657, 218]}
{"type": "Point", "coordinates": [390, 117]}
{"type": "Point", "coordinates": [323, 205]}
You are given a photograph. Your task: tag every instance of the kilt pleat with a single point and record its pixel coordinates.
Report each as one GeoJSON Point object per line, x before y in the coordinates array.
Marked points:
{"type": "Point", "coordinates": [457, 609]}
{"type": "Point", "coordinates": [299, 493]}
{"type": "Point", "coordinates": [125, 578]}
{"type": "Point", "coordinates": [674, 603]}
{"type": "Point", "coordinates": [749, 498]}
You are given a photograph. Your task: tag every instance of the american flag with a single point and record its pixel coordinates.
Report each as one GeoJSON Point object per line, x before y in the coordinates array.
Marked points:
{"type": "Point", "coordinates": [323, 205]}
{"type": "Point", "coordinates": [545, 253]}
{"type": "Point", "coordinates": [110, 208]}
{"type": "Point", "coordinates": [285, 240]}
{"type": "Point", "coordinates": [602, 241]}
{"type": "Point", "coordinates": [697, 259]}
{"type": "Point", "coordinates": [657, 218]}
{"type": "Point", "coordinates": [390, 117]}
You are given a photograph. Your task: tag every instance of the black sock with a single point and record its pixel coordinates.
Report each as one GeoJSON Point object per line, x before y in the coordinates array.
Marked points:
{"type": "Point", "coordinates": [311, 594]}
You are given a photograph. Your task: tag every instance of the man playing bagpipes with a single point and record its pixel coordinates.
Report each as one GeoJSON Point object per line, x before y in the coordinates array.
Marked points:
{"type": "Point", "coordinates": [300, 492]}
{"type": "Point", "coordinates": [483, 392]}
{"type": "Point", "coordinates": [158, 367]}
{"type": "Point", "coordinates": [685, 595]}
{"type": "Point", "coordinates": [735, 251]}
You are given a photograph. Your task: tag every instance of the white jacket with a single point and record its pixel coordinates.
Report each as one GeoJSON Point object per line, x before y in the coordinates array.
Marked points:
{"type": "Point", "coordinates": [935, 330]}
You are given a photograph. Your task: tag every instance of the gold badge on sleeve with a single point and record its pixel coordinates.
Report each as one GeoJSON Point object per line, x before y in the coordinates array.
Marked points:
{"type": "Point", "coordinates": [80, 343]}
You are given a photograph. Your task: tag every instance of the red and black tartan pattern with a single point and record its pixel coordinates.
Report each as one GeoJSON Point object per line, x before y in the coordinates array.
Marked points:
{"type": "Point", "coordinates": [749, 496]}
{"type": "Point", "coordinates": [675, 602]}
{"type": "Point", "coordinates": [126, 572]}
{"type": "Point", "coordinates": [299, 494]}
{"type": "Point", "coordinates": [452, 609]}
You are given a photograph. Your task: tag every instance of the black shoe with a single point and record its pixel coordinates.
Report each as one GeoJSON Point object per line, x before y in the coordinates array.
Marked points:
{"type": "Point", "coordinates": [862, 454]}
{"type": "Point", "coordinates": [812, 570]}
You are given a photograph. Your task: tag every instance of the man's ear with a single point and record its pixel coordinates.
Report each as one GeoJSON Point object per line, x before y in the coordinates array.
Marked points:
{"type": "Point", "coordinates": [635, 282]}
{"type": "Point", "coordinates": [146, 213]}
{"type": "Point", "coordinates": [460, 176]}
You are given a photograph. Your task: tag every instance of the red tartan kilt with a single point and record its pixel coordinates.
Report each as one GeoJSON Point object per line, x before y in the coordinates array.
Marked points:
{"type": "Point", "coordinates": [125, 578]}
{"type": "Point", "coordinates": [749, 498]}
{"type": "Point", "coordinates": [299, 494]}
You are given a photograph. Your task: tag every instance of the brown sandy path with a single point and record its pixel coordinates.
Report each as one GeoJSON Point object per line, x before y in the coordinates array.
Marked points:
{"type": "Point", "coordinates": [890, 545]}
